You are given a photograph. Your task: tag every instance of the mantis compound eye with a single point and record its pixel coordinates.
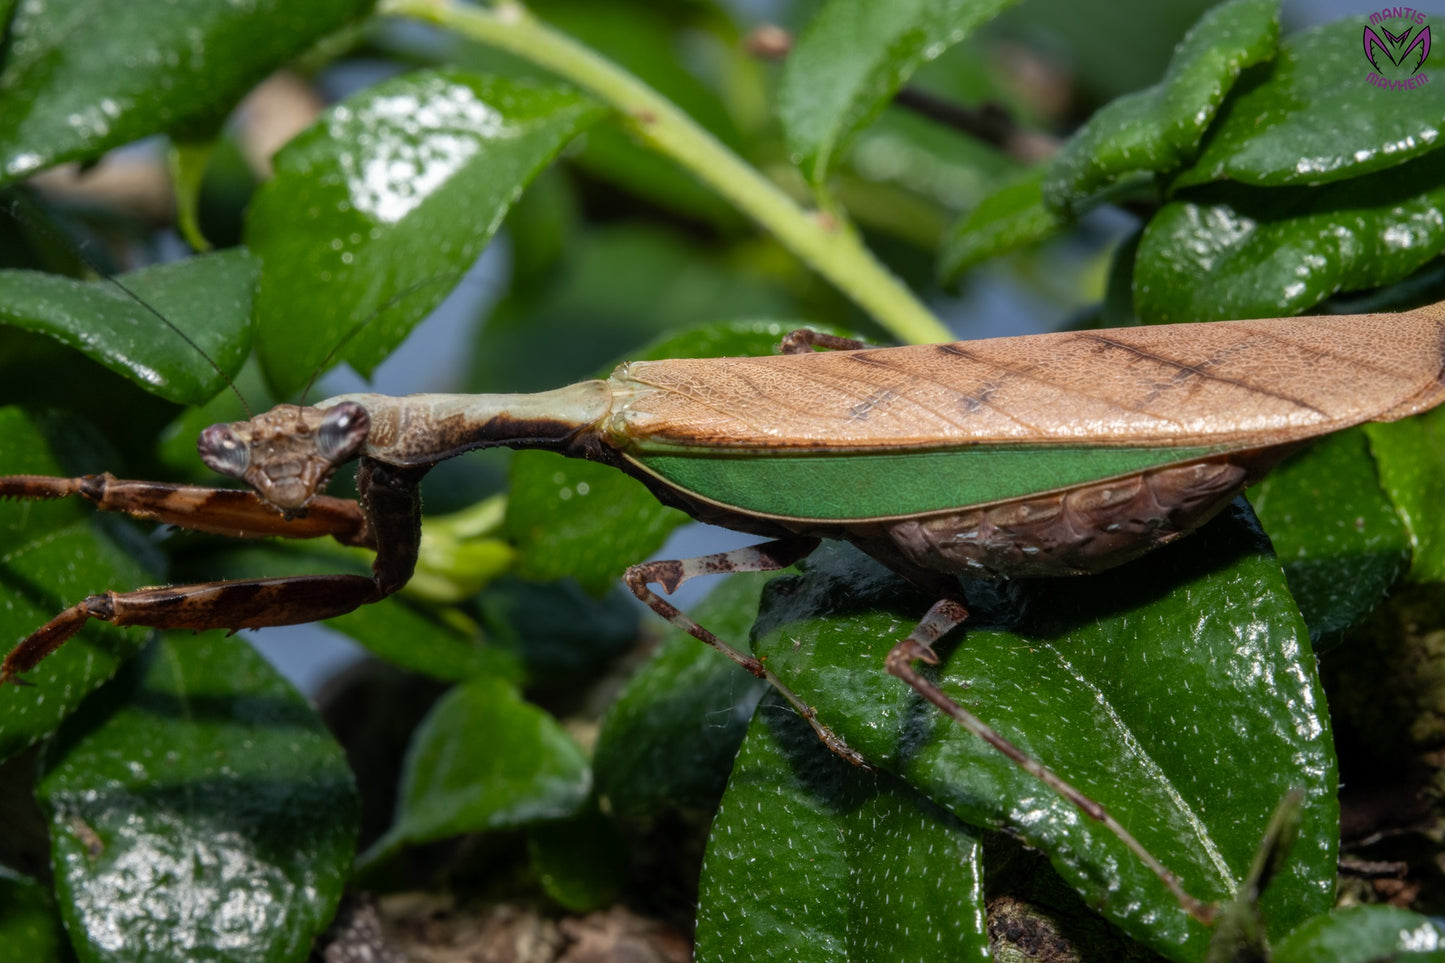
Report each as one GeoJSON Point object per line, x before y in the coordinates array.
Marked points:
{"type": "Point", "coordinates": [224, 452]}
{"type": "Point", "coordinates": [343, 431]}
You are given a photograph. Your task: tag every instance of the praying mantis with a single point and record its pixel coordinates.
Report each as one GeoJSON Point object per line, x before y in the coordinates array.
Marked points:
{"type": "Point", "coordinates": [1047, 455]}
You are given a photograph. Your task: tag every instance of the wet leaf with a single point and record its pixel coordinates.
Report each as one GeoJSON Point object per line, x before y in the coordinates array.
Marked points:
{"type": "Point", "coordinates": [1011, 217]}
{"type": "Point", "coordinates": [580, 520]}
{"type": "Point", "coordinates": [1363, 934]}
{"type": "Point", "coordinates": [1229, 251]}
{"type": "Point", "coordinates": [852, 59]}
{"type": "Point", "coordinates": [378, 208]}
{"type": "Point", "coordinates": [1411, 459]}
{"type": "Point", "coordinates": [1338, 536]}
{"type": "Point", "coordinates": [1312, 117]}
{"type": "Point", "coordinates": [819, 860]}
{"type": "Point", "coordinates": [485, 760]}
{"type": "Point", "coordinates": [29, 925]}
{"type": "Point", "coordinates": [83, 76]}
{"type": "Point", "coordinates": [197, 807]}
{"type": "Point", "coordinates": [1179, 691]}
{"type": "Point", "coordinates": [121, 324]}
{"type": "Point", "coordinates": [1159, 128]}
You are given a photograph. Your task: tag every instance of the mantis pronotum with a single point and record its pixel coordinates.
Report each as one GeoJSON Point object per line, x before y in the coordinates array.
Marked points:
{"type": "Point", "coordinates": [1020, 457]}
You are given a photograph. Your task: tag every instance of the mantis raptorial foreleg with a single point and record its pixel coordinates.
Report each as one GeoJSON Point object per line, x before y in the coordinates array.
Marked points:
{"type": "Point", "coordinates": [237, 513]}
{"type": "Point", "coordinates": [387, 517]}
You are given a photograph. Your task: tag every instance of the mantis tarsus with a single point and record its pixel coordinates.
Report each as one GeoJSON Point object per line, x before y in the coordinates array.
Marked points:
{"type": "Point", "coordinates": [1018, 457]}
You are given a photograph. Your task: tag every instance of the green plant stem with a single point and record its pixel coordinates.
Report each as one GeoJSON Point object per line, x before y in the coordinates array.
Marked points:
{"type": "Point", "coordinates": [830, 248]}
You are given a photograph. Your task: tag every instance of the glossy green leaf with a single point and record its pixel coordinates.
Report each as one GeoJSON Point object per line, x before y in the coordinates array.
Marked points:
{"type": "Point", "coordinates": [589, 522]}
{"type": "Point", "coordinates": [29, 925]}
{"type": "Point", "coordinates": [1411, 459]}
{"type": "Point", "coordinates": [670, 738]}
{"type": "Point", "coordinates": [1229, 251]}
{"type": "Point", "coordinates": [198, 808]}
{"type": "Point", "coordinates": [378, 208]}
{"type": "Point", "coordinates": [484, 760]}
{"type": "Point", "coordinates": [207, 298]}
{"type": "Point", "coordinates": [1159, 128]}
{"type": "Point", "coordinates": [1011, 217]}
{"type": "Point", "coordinates": [1364, 934]}
{"type": "Point", "coordinates": [52, 555]}
{"type": "Point", "coordinates": [819, 860]}
{"type": "Point", "coordinates": [1179, 691]}
{"type": "Point", "coordinates": [852, 59]}
{"type": "Point", "coordinates": [1338, 536]}
{"type": "Point", "coordinates": [1312, 117]}
{"type": "Point", "coordinates": [82, 76]}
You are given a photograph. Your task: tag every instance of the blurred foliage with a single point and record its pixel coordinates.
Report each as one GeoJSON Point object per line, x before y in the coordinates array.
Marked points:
{"type": "Point", "coordinates": [1258, 174]}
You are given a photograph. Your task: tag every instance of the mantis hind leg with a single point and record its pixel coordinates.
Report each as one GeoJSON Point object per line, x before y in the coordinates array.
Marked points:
{"type": "Point", "coordinates": [768, 557]}
{"type": "Point", "coordinates": [947, 614]}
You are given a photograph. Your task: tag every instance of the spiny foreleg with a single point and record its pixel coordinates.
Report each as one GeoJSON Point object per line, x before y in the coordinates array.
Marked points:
{"type": "Point", "coordinates": [236, 513]}
{"type": "Point", "coordinates": [388, 516]}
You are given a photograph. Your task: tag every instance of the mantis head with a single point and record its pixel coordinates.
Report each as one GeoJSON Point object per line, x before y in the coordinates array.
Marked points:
{"type": "Point", "coordinates": [289, 453]}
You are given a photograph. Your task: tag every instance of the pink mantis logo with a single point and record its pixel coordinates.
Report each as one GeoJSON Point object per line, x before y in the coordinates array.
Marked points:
{"type": "Point", "coordinates": [1405, 50]}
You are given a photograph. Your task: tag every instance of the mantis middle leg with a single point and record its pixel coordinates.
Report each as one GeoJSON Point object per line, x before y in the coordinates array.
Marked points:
{"type": "Point", "coordinates": [767, 557]}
